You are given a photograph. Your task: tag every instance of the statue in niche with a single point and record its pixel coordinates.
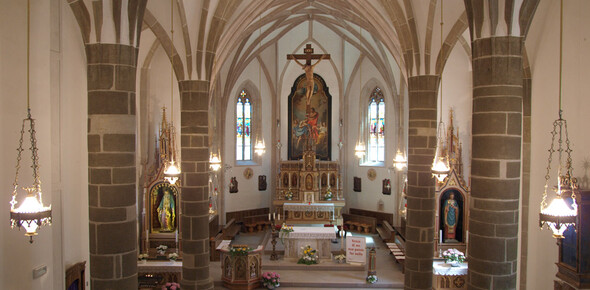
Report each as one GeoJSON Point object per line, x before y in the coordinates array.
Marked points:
{"type": "Point", "coordinates": [451, 218]}
{"type": "Point", "coordinates": [167, 211]}
{"type": "Point", "coordinates": [308, 182]}
{"type": "Point", "coordinates": [163, 207]}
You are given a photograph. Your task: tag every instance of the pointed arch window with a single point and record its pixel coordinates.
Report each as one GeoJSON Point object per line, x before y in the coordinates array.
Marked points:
{"type": "Point", "coordinates": [243, 127]}
{"type": "Point", "coordinates": [376, 124]}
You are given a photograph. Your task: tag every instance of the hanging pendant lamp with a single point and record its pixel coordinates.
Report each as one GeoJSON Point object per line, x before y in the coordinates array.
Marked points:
{"type": "Point", "coordinates": [557, 215]}
{"type": "Point", "coordinates": [31, 214]}
{"type": "Point", "coordinates": [172, 172]}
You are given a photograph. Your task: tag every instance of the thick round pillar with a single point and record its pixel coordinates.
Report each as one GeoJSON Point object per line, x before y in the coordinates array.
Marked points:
{"type": "Point", "coordinates": [112, 187]}
{"type": "Point", "coordinates": [194, 130]}
{"type": "Point", "coordinates": [421, 192]}
{"type": "Point", "coordinates": [496, 162]}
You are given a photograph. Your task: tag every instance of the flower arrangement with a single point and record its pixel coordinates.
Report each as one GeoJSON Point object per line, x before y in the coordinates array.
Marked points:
{"type": "Point", "coordinates": [284, 231]}
{"type": "Point", "coordinates": [239, 251]}
{"type": "Point", "coordinates": [171, 286]}
{"type": "Point", "coordinates": [271, 280]}
{"type": "Point", "coordinates": [172, 256]}
{"type": "Point", "coordinates": [340, 258]}
{"type": "Point", "coordinates": [289, 195]}
{"type": "Point", "coordinates": [328, 195]}
{"type": "Point", "coordinates": [372, 279]}
{"type": "Point", "coordinates": [453, 255]}
{"type": "Point", "coordinates": [142, 257]}
{"type": "Point", "coordinates": [161, 249]}
{"type": "Point", "coordinates": [309, 256]}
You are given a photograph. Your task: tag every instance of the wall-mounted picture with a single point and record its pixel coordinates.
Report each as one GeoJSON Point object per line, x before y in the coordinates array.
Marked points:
{"type": "Point", "coordinates": [261, 182]}
{"type": "Point", "coordinates": [233, 185]}
{"type": "Point", "coordinates": [313, 125]}
{"type": "Point", "coordinates": [356, 184]}
{"type": "Point", "coordinates": [386, 186]}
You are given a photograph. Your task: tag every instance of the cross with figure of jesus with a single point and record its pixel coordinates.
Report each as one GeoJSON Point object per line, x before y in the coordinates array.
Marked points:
{"type": "Point", "coordinates": [308, 68]}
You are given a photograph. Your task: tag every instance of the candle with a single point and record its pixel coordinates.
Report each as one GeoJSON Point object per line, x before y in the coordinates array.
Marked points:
{"type": "Point", "coordinates": [440, 236]}
{"type": "Point", "coordinates": [269, 216]}
{"type": "Point", "coordinates": [147, 238]}
{"type": "Point", "coordinates": [176, 237]}
{"type": "Point", "coordinates": [467, 237]}
{"type": "Point", "coordinates": [279, 217]}
{"type": "Point", "coordinates": [273, 216]}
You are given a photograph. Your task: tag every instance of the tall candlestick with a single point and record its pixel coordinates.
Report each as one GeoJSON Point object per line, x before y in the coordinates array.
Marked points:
{"type": "Point", "coordinates": [147, 239]}
{"type": "Point", "coordinates": [440, 236]}
{"type": "Point", "coordinates": [176, 238]}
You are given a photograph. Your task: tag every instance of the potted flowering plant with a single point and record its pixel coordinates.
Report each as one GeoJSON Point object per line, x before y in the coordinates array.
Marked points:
{"type": "Point", "coordinates": [171, 286]}
{"type": "Point", "coordinates": [161, 249]}
{"type": "Point", "coordinates": [372, 279]}
{"type": "Point", "coordinates": [172, 257]}
{"type": "Point", "coordinates": [340, 258]}
{"type": "Point", "coordinates": [309, 256]}
{"type": "Point", "coordinates": [453, 257]}
{"type": "Point", "coordinates": [271, 280]}
{"type": "Point", "coordinates": [142, 257]}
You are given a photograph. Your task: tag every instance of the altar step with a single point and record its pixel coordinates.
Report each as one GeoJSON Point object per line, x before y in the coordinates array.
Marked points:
{"type": "Point", "coordinates": [323, 266]}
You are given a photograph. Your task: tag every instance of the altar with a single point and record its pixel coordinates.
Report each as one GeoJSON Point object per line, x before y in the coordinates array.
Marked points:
{"type": "Point", "coordinates": [318, 238]}
{"type": "Point", "coordinates": [447, 277]}
{"type": "Point", "coordinates": [315, 210]}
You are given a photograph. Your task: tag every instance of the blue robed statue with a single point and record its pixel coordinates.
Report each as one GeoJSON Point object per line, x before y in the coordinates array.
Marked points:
{"type": "Point", "coordinates": [451, 216]}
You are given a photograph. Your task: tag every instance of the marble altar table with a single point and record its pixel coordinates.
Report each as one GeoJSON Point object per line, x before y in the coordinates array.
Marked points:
{"type": "Point", "coordinates": [318, 238]}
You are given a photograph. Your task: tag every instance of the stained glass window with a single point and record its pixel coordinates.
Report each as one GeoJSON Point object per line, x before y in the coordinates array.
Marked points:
{"type": "Point", "coordinates": [376, 122]}
{"type": "Point", "coordinates": [243, 127]}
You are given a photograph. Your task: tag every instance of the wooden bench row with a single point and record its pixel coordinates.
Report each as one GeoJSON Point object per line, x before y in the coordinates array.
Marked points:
{"type": "Point", "coordinates": [359, 223]}
{"type": "Point", "coordinates": [398, 254]}
{"type": "Point", "coordinates": [256, 223]}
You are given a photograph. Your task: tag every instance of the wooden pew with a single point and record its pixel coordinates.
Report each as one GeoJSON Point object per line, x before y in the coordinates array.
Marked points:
{"type": "Point", "coordinates": [398, 253]}
{"type": "Point", "coordinates": [230, 230]}
{"type": "Point", "coordinates": [386, 231]}
{"type": "Point", "coordinates": [359, 223]}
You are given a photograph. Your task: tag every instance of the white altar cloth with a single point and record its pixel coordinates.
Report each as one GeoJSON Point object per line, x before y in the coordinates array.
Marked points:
{"type": "Point", "coordinates": [316, 237]}
{"type": "Point", "coordinates": [441, 268]}
{"type": "Point", "coordinates": [326, 207]}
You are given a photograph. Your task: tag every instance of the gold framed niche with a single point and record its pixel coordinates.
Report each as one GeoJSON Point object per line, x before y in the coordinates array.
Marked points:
{"type": "Point", "coordinates": [163, 208]}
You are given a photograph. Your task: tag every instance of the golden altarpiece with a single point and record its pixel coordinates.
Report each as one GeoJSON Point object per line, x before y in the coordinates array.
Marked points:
{"type": "Point", "coordinates": [308, 191]}
{"type": "Point", "coordinates": [452, 195]}
{"type": "Point", "coordinates": [161, 202]}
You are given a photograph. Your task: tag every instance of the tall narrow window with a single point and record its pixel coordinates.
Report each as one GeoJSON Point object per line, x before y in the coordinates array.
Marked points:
{"type": "Point", "coordinates": [376, 122]}
{"type": "Point", "coordinates": [243, 127]}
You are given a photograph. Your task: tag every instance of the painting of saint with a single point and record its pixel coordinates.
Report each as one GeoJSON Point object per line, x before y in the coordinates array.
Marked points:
{"type": "Point", "coordinates": [309, 124]}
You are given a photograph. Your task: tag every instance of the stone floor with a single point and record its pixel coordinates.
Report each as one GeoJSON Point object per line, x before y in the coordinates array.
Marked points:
{"type": "Point", "coordinates": [327, 274]}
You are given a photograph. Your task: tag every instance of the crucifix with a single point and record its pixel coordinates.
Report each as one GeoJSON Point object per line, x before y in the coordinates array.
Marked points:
{"type": "Point", "coordinates": [308, 68]}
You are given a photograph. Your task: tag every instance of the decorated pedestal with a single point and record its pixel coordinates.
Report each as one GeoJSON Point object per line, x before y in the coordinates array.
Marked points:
{"type": "Point", "coordinates": [241, 271]}
{"type": "Point", "coordinates": [447, 276]}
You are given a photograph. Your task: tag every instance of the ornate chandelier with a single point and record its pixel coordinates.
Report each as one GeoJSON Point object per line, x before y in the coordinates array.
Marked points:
{"type": "Point", "coordinates": [440, 164]}
{"type": "Point", "coordinates": [359, 150]}
{"type": "Point", "coordinates": [214, 162]}
{"type": "Point", "coordinates": [558, 215]}
{"type": "Point", "coordinates": [259, 148]}
{"type": "Point", "coordinates": [31, 214]}
{"type": "Point", "coordinates": [172, 171]}
{"type": "Point", "coordinates": [400, 162]}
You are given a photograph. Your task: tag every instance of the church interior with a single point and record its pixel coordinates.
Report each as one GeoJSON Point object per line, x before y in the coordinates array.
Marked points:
{"type": "Point", "coordinates": [416, 144]}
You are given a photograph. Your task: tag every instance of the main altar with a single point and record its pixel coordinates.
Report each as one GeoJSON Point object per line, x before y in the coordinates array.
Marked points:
{"type": "Point", "coordinates": [317, 237]}
{"type": "Point", "coordinates": [309, 191]}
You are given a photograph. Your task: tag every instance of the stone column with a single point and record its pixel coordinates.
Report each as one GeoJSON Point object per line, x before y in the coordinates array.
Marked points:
{"type": "Point", "coordinates": [421, 192]}
{"type": "Point", "coordinates": [195, 192]}
{"type": "Point", "coordinates": [111, 166]}
{"type": "Point", "coordinates": [495, 166]}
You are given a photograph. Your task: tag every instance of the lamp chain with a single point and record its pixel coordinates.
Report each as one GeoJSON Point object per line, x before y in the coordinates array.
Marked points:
{"type": "Point", "coordinates": [560, 52]}
{"type": "Point", "coordinates": [172, 61]}
{"type": "Point", "coordinates": [441, 68]}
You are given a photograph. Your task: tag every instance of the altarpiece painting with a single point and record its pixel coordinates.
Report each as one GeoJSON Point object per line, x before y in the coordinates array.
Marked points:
{"type": "Point", "coordinates": [315, 124]}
